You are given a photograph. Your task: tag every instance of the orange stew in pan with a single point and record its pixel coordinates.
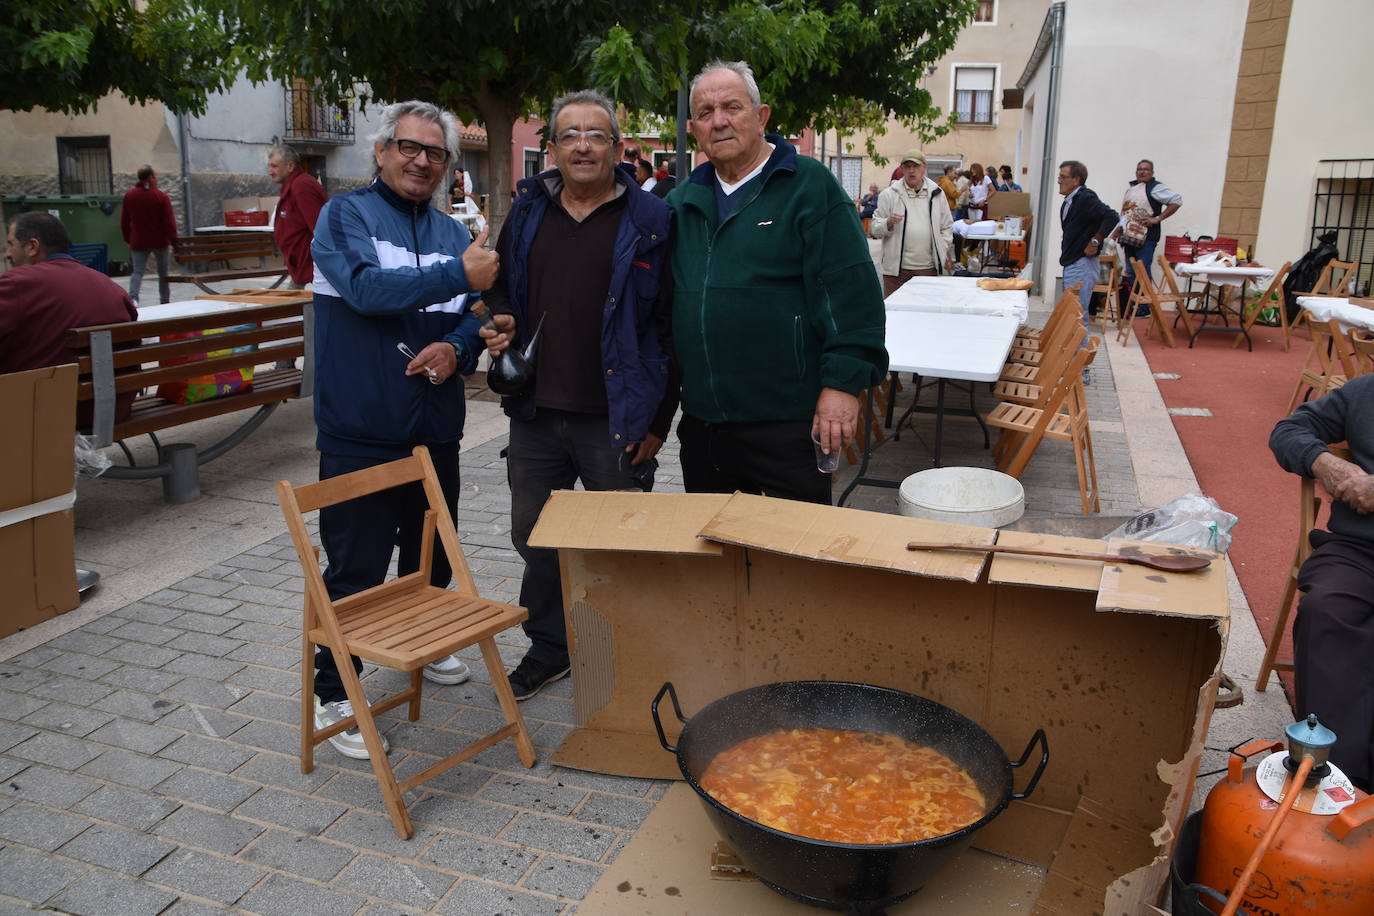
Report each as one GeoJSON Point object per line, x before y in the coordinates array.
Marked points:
{"type": "Point", "coordinates": [844, 786]}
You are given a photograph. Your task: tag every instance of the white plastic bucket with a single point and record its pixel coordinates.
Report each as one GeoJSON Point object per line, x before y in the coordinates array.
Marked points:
{"type": "Point", "coordinates": [967, 496]}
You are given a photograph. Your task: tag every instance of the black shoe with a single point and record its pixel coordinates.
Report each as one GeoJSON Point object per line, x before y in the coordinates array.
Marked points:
{"type": "Point", "coordinates": [531, 676]}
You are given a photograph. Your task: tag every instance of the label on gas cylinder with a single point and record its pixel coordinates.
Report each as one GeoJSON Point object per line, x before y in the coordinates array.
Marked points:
{"type": "Point", "coordinates": [1329, 796]}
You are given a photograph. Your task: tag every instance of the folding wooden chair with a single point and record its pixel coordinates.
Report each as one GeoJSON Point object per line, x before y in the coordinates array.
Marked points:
{"type": "Point", "coordinates": [1309, 507]}
{"type": "Point", "coordinates": [1110, 310]}
{"type": "Point", "coordinates": [1145, 293]}
{"type": "Point", "coordinates": [1362, 350]}
{"type": "Point", "coordinates": [1066, 308]}
{"type": "Point", "coordinates": [1330, 361]}
{"type": "Point", "coordinates": [1064, 416]}
{"type": "Point", "coordinates": [1031, 392]}
{"type": "Point", "coordinates": [1334, 280]}
{"type": "Point", "coordinates": [1171, 292]}
{"type": "Point", "coordinates": [1063, 321]}
{"type": "Point", "coordinates": [405, 623]}
{"type": "Point", "coordinates": [1275, 290]}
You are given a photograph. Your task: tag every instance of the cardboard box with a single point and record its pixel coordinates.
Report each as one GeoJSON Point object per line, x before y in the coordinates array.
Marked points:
{"type": "Point", "coordinates": [37, 474]}
{"type": "Point", "coordinates": [1009, 203]}
{"type": "Point", "coordinates": [717, 593]}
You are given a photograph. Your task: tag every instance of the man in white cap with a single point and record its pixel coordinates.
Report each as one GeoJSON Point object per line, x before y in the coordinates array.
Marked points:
{"type": "Point", "coordinates": [915, 226]}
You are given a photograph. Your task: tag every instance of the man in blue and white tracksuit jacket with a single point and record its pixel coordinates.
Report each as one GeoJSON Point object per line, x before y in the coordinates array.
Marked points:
{"type": "Point", "coordinates": [390, 270]}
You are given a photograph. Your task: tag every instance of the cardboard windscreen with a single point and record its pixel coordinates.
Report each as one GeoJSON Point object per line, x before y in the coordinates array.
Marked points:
{"type": "Point", "coordinates": [656, 522]}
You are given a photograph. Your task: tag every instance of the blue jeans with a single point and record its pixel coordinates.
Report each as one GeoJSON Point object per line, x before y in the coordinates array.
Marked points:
{"type": "Point", "coordinates": [1087, 271]}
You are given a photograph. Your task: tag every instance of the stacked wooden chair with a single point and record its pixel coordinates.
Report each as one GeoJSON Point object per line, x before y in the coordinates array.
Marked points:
{"type": "Point", "coordinates": [1031, 345]}
{"type": "Point", "coordinates": [1331, 361]}
{"type": "Point", "coordinates": [1024, 386]}
{"type": "Point", "coordinates": [404, 623]}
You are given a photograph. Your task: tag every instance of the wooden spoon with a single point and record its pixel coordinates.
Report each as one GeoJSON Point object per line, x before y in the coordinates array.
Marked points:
{"type": "Point", "coordinates": [1166, 562]}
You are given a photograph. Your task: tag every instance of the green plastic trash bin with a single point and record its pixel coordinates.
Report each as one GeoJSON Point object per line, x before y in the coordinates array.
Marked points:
{"type": "Point", "coordinates": [89, 218]}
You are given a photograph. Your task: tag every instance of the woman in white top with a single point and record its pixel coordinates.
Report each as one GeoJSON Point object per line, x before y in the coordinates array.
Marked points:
{"type": "Point", "coordinates": [981, 189]}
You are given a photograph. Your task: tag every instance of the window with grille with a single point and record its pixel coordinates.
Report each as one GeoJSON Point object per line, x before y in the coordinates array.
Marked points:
{"type": "Point", "coordinates": [973, 88]}
{"type": "Point", "coordinates": [533, 163]}
{"type": "Point", "coordinates": [848, 171]}
{"type": "Point", "coordinates": [83, 165]}
{"type": "Point", "coordinates": [986, 12]}
{"type": "Point", "coordinates": [1345, 203]}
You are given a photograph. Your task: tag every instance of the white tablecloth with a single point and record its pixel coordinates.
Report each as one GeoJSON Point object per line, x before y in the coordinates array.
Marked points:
{"type": "Point", "coordinates": [945, 345]}
{"type": "Point", "coordinates": [1226, 276]}
{"type": "Point", "coordinates": [986, 231]}
{"type": "Point", "coordinates": [267, 229]}
{"type": "Point", "coordinates": [1348, 315]}
{"type": "Point", "coordinates": [958, 295]}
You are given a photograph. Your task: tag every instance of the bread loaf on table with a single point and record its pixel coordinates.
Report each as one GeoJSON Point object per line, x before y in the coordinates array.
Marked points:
{"type": "Point", "coordinates": [993, 283]}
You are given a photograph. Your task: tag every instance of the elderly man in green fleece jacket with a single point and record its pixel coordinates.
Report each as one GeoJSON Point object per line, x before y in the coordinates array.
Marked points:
{"type": "Point", "coordinates": [777, 312]}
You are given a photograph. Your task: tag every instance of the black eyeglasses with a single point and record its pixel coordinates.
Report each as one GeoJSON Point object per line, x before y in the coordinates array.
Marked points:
{"type": "Point", "coordinates": [412, 148]}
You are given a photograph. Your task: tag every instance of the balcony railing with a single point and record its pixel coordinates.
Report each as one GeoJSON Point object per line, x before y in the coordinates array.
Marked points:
{"type": "Point", "coordinates": [307, 118]}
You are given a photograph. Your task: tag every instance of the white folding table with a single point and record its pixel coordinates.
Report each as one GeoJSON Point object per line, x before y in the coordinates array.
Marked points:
{"type": "Point", "coordinates": [1217, 275]}
{"type": "Point", "coordinates": [939, 346]}
{"type": "Point", "coordinates": [958, 295]}
{"type": "Point", "coordinates": [1348, 314]}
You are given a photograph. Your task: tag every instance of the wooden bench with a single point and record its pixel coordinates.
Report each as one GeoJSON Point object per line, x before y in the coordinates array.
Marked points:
{"type": "Point", "coordinates": [198, 254]}
{"type": "Point", "coordinates": [113, 359]}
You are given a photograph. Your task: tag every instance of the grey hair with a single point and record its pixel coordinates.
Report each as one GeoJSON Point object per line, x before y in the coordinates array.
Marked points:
{"type": "Point", "coordinates": [386, 127]}
{"type": "Point", "coordinates": [586, 97]}
{"type": "Point", "coordinates": [739, 67]}
{"type": "Point", "coordinates": [285, 152]}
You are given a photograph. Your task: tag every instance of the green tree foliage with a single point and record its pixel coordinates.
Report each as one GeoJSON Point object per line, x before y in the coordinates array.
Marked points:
{"type": "Point", "coordinates": [66, 56]}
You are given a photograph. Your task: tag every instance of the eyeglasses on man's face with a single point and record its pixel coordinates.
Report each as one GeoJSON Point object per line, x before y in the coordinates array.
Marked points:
{"type": "Point", "coordinates": [596, 139]}
{"type": "Point", "coordinates": [436, 155]}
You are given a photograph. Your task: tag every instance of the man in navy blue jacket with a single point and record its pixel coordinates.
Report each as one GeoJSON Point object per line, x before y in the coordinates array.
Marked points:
{"type": "Point", "coordinates": [583, 251]}
{"type": "Point", "coordinates": [390, 269]}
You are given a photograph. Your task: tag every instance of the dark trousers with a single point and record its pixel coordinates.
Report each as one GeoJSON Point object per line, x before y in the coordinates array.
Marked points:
{"type": "Point", "coordinates": [1333, 648]}
{"type": "Point", "coordinates": [892, 284]}
{"type": "Point", "coordinates": [552, 452]}
{"type": "Point", "coordinates": [360, 535]}
{"type": "Point", "coordinates": [772, 459]}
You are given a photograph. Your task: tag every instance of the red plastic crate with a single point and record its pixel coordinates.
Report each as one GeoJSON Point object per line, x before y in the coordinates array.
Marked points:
{"type": "Point", "coordinates": [1178, 250]}
{"type": "Point", "coordinates": [1220, 243]}
{"type": "Point", "coordinates": [246, 217]}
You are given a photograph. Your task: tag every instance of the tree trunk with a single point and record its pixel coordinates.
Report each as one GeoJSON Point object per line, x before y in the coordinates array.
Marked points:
{"type": "Point", "coordinates": [499, 116]}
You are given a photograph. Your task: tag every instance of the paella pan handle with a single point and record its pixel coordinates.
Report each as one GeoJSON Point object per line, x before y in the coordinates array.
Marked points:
{"type": "Point", "coordinates": [677, 710]}
{"type": "Point", "coordinates": [1037, 738]}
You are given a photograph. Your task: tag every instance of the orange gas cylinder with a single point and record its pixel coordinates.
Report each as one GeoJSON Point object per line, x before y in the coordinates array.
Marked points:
{"type": "Point", "coordinates": [1320, 861]}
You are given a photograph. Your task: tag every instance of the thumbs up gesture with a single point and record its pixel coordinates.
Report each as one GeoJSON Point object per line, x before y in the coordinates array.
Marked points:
{"type": "Point", "coordinates": [481, 264]}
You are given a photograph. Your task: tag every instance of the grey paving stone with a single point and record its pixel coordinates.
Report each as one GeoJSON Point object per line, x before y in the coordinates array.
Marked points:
{"type": "Point", "coordinates": [374, 832]}
{"type": "Point", "coordinates": [117, 849]}
{"type": "Point", "coordinates": [133, 770]}
{"type": "Point", "coordinates": [461, 780]}
{"type": "Point", "coordinates": [614, 811]}
{"type": "Point", "coordinates": [80, 666]}
{"type": "Point", "coordinates": [356, 790]}
{"type": "Point", "coordinates": [78, 641]}
{"type": "Point", "coordinates": [201, 720]}
{"type": "Point", "coordinates": [204, 623]}
{"type": "Point", "coordinates": [205, 604]}
{"type": "Point", "coordinates": [205, 875]}
{"type": "Point", "coordinates": [480, 858]}
{"type": "Point", "coordinates": [274, 736]}
{"type": "Point", "coordinates": [308, 815]}
{"type": "Point", "coordinates": [204, 643]}
{"type": "Point", "coordinates": [252, 631]}
{"type": "Point", "coordinates": [100, 894]}
{"type": "Point", "coordinates": [137, 653]}
{"type": "Point", "coordinates": [303, 856]}
{"type": "Point", "coordinates": [377, 909]}
{"type": "Point", "coordinates": [247, 561]}
{"type": "Point", "coordinates": [55, 750]}
{"type": "Point", "coordinates": [46, 786]}
{"type": "Point", "coordinates": [142, 679]}
{"type": "Point", "coordinates": [68, 690]}
{"type": "Point", "coordinates": [267, 656]}
{"type": "Point", "coordinates": [139, 706]}
{"type": "Point", "coordinates": [203, 666]}
{"type": "Point", "coordinates": [41, 828]}
{"type": "Point", "coordinates": [12, 734]}
{"type": "Point", "coordinates": [222, 756]}
{"type": "Point", "coordinates": [33, 877]}
{"type": "Point", "coordinates": [268, 706]}
{"type": "Point", "coordinates": [185, 907]}
{"type": "Point", "coordinates": [475, 898]}
{"type": "Point", "coordinates": [564, 878]}
{"type": "Point", "coordinates": [165, 597]}
{"type": "Point", "coordinates": [202, 586]}
{"type": "Point", "coordinates": [153, 633]}
{"type": "Point", "coordinates": [271, 597]}
{"type": "Point", "coordinates": [212, 790]}
{"type": "Point", "coordinates": [193, 827]}
{"type": "Point", "coordinates": [274, 616]}
{"type": "Point", "coordinates": [218, 571]}
{"type": "Point", "coordinates": [532, 795]}
{"type": "Point", "coordinates": [19, 705]}
{"type": "Point", "coordinates": [456, 813]}
{"type": "Point", "coordinates": [566, 838]}
{"type": "Point", "coordinates": [139, 810]}
{"type": "Point", "coordinates": [285, 772]}
{"type": "Point", "coordinates": [9, 767]}
{"type": "Point", "coordinates": [283, 896]}
{"type": "Point", "coordinates": [401, 882]}
{"type": "Point", "coordinates": [146, 613]}
{"type": "Point", "coordinates": [135, 736]}
{"type": "Point", "coordinates": [272, 680]}
{"type": "Point", "coordinates": [203, 692]}
{"type": "Point", "coordinates": [35, 657]}
{"type": "Point", "coordinates": [102, 625]}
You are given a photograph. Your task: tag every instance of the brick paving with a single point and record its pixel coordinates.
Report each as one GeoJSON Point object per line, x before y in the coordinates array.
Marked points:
{"type": "Point", "coordinates": [147, 758]}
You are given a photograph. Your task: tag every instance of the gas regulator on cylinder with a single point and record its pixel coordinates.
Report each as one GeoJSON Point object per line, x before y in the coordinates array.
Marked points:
{"type": "Point", "coordinates": [1287, 835]}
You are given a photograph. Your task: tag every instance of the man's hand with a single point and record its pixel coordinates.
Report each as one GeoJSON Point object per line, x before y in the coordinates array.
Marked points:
{"type": "Point", "coordinates": [894, 219]}
{"type": "Point", "coordinates": [438, 360]}
{"type": "Point", "coordinates": [480, 264]}
{"type": "Point", "coordinates": [1345, 481]}
{"type": "Point", "coordinates": [498, 340]}
{"type": "Point", "coordinates": [836, 418]}
{"type": "Point", "coordinates": [645, 450]}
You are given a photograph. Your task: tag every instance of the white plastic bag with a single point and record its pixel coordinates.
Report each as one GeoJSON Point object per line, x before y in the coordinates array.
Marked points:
{"type": "Point", "coordinates": [90, 461]}
{"type": "Point", "coordinates": [1192, 520]}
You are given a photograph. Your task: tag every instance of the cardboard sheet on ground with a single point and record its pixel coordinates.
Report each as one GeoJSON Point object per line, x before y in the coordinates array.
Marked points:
{"type": "Point", "coordinates": [1117, 664]}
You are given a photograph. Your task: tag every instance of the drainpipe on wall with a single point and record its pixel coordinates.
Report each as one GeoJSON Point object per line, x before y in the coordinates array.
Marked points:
{"type": "Point", "coordinates": [184, 138]}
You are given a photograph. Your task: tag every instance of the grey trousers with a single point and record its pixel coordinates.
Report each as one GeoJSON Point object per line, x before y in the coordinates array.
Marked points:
{"type": "Point", "coordinates": [140, 266]}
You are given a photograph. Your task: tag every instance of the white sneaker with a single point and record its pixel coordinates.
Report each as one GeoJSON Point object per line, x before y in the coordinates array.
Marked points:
{"type": "Point", "coordinates": [349, 743]}
{"type": "Point", "coordinates": [448, 670]}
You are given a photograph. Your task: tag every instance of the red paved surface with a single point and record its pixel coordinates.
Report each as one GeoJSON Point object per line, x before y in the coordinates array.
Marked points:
{"type": "Point", "coordinates": [1247, 393]}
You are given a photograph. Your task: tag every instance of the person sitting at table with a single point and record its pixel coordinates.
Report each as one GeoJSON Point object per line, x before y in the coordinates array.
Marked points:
{"type": "Point", "coordinates": [919, 246]}
{"type": "Point", "coordinates": [45, 293]}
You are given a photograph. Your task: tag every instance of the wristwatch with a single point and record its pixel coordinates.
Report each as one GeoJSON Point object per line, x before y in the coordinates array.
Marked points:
{"type": "Point", "coordinates": [1095, 242]}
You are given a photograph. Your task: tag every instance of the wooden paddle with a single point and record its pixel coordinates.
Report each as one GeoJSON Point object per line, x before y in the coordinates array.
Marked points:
{"type": "Point", "coordinates": [1166, 562]}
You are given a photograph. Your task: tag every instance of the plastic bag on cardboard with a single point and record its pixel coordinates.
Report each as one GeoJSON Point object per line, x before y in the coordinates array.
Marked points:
{"type": "Point", "coordinates": [90, 461]}
{"type": "Point", "coordinates": [1192, 520]}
